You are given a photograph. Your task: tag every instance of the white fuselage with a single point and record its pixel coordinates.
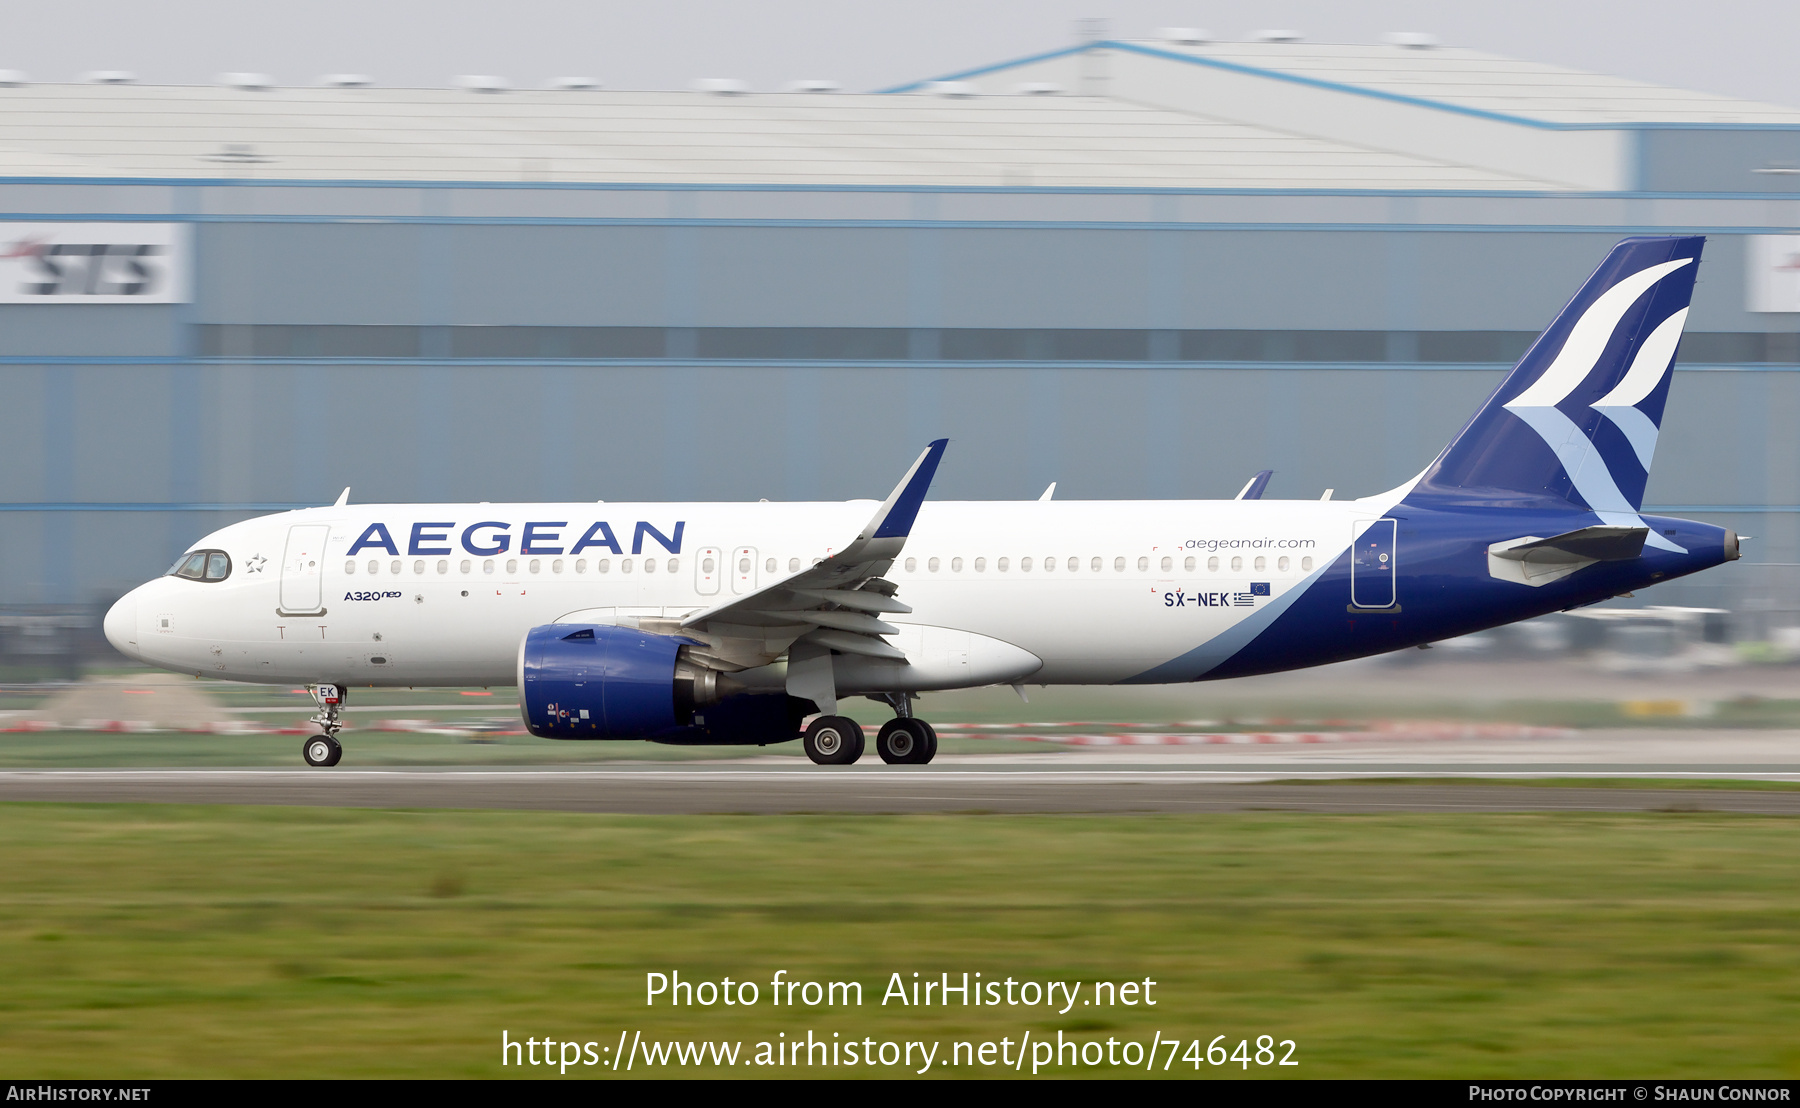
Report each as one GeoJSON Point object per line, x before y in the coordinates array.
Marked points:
{"type": "Point", "coordinates": [1088, 590]}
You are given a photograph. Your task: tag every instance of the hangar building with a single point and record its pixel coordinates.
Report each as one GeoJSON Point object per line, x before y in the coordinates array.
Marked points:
{"type": "Point", "coordinates": [1137, 269]}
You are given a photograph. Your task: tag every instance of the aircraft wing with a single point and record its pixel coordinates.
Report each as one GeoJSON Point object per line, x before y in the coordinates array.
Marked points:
{"type": "Point", "coordinates": [834, 605]}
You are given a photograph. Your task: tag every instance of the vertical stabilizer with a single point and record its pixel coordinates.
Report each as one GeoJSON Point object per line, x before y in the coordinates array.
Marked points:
{"type": "Point", "coordinates": [1576, 420]}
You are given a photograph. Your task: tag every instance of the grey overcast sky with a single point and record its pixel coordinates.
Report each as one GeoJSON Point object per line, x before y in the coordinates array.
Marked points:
{"type": "Point", "coordinates": [1742, 48]}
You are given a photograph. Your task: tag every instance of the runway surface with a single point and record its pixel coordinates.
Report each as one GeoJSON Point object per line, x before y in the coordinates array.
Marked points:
{"type": "Point", "coordinates": [760, 789]}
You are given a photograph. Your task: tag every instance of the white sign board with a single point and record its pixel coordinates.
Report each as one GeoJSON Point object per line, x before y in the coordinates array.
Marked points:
{"type": "Point", "coordinates": [1773, 281]}
{"type": "Point", "coordinates": [95, 263]}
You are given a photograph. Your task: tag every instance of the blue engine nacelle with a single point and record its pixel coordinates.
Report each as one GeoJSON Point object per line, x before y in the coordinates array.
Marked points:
{"type": "Point", "coordinates": [594, 681]}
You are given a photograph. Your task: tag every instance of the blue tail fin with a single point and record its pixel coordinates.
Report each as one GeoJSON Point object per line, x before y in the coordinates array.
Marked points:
{"type": "Point", "coordinates": [1576, 420]}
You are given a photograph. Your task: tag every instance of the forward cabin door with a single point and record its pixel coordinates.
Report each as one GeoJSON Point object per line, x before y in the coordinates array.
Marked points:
{"type": "Point", "coordinates": [302, 568]}
{"type": "Point", "coordinates": [1372, 565]}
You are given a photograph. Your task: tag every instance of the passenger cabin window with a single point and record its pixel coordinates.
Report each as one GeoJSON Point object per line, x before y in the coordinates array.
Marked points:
{"type": "Point", "coordinates": [1237, 564]}
{"type": "Point", "coordinates": [912, 565]}
{"type": "Point", "coordinates": [956, 565]}
{"type": "Point", "coordinates": [1001, 565]}
{"type": "Point", "coordinates": [1168, 564]}
{"type": "Point", "coordinates": [1306, 563]}
{"type": "Point", "coordinates": [1119, 565]}
{"type": "Point", "coordinates": [202, 565]}
{"type": "Point", "coordinates": [350, 566]}
{"type": "Point", "coordinates": [768, 566]}
{"type": "Point", "coordinates": [1281, 564]}
{"type": "Point", "coordinates": [1188, 565]}
{"type": "Point", "coordinates": [794, 565]}
{"type": "Point", "coordinates": [1212, 564]}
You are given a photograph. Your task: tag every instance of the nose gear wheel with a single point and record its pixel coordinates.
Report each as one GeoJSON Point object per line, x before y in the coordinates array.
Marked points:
{"type": "Point", "coordinates": [321, 751]}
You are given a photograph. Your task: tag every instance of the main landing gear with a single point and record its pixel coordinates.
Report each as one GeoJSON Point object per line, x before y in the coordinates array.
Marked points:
{"type": "Point", "coordinates": [833, 741]}
{"type": "Point", "coordinates": [902, 741]}
{"type": "Point", "coordinates": [906, 742]}
{"type": "Point", "coordinates": [323, 749]}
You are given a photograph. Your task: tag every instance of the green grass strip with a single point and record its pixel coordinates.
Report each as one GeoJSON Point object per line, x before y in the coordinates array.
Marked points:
{"type": "Point", "coordinates": [156, 940]}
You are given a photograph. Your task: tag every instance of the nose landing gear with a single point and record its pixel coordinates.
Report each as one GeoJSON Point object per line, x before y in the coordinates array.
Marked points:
{"type": "Point", "coordinates": [324, 749]}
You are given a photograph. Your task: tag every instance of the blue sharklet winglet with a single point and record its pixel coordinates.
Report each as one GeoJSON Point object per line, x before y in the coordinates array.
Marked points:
{"type": "Point", "coordinates": [894, 519]}
{"type": "Point", "coordinates": [1253, 488]}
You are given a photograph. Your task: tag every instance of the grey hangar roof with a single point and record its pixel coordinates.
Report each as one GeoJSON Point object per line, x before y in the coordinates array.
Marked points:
{"type": "Point", "coordinates": [1129, 115]}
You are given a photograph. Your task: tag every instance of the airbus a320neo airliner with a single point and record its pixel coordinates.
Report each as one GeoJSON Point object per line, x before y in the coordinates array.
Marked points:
{"type": "Point", "coordinates": [733, 623]}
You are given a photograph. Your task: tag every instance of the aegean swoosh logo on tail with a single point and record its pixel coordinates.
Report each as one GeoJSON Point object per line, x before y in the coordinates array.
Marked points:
{"type": "Point", "coordinates": [1580, 354]}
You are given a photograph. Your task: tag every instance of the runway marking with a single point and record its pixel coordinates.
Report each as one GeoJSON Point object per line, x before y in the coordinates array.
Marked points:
{"type": "Point", "coordinates": [875, 777]}
{"type": "Point", "coordinates": [847, 791]}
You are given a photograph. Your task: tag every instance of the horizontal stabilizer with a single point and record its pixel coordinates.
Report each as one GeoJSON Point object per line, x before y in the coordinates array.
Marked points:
{"type": "Point", "coordinates": [1592, 544]}
{"type": "Point", "coordinates": [1537, 561]}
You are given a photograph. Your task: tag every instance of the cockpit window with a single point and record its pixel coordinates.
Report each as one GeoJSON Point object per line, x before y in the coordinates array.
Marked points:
{"type": "Point", "coordinates": [202, 565]}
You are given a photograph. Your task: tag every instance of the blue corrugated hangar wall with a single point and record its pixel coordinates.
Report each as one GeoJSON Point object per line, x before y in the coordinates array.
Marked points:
{"type": "Point", "coordinates": [599, 342]}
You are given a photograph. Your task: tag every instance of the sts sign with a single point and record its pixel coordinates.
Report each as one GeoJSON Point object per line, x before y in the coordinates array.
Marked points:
{"type": "Point", "coordinates": [94, 263]}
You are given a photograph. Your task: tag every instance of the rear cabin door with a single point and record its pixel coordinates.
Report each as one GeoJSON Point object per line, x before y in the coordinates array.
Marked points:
{"type": "Point", "coordinates": [1372, 565]}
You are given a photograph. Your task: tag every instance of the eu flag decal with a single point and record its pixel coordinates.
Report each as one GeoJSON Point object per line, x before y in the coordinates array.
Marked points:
{"type": "Point", "coordinates": [1259, 588]}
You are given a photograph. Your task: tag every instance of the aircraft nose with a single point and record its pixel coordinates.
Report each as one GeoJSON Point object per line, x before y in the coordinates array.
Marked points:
{"type": "Point", "coordinates": [121, 625]}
